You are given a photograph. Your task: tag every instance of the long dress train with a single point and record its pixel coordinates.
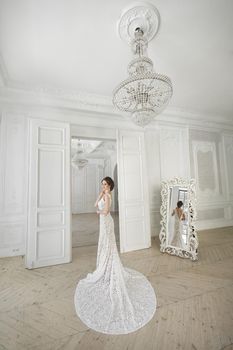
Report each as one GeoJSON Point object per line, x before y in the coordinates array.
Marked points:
{"type": "Point", "coordinates": [113, 299]}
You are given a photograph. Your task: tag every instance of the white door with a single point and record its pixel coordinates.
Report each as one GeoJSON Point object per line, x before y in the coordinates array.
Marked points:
{"type": "Point", "coordinates": [133, 191]}
{"type": "Point", "coordinates": [49, 234]}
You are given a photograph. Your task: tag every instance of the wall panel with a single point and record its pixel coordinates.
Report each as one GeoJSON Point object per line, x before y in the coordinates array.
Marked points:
{"type": "Point", "coordinates": [13, 184]}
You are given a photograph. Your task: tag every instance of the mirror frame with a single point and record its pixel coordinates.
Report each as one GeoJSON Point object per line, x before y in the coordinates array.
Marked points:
{"type": "Point", "coordinates": [192, 253]}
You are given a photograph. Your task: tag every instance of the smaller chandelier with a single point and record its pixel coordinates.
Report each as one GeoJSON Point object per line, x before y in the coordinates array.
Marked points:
{"type": "Point", "coordinates": [78, 160]}
{"type": "Point", "coordinates": [144, 93]}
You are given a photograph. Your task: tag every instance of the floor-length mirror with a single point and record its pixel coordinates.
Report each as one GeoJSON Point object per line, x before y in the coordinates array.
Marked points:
{"type": "Point", "coordinates": [91, 161]}
{"type": "Point", "coordinates": [178, 235]}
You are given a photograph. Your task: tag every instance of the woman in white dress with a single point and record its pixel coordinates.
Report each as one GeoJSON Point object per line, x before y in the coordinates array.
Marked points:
{"type": "Point", "coordinates": [113, 299]}
{"type": "Point", "coordinates": [179, 216]}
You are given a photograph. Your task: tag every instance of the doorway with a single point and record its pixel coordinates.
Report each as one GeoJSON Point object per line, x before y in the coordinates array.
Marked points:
{"type": "Point", "coordinates": [91, 160]}
{"type": "Point", "coordinates": [49, 233]}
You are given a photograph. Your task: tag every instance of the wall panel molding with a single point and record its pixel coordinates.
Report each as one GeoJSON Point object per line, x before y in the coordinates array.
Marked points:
{"type": "Point", "coordinates": [168, 140]}
{"type": "Point", "coordinates": [174, 148]}
{"type": "Point", "coordinates": [205, 167]}
{"type": "Point", "coordinates": [228, 157]}
{"type": "Point", "coordinates": [13, 184]}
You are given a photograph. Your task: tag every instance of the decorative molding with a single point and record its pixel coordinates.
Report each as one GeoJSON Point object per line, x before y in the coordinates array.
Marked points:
{"type": "Point", "coordinates": [12, 236]}
{"type": "Point", "coordinates": [192, 238]}
{"type": "Point", "coordinates": [20, 94]}
{"type": "Point", "coordinates": [43, 92]}
{"type": "Point", "coordinates": [49, 101]}
{"type": "Point", "coordinates": [206, 147]}
{"type": "Point", "coordinates": [171, 134]}
{"type": "Point", "coordinates": [212, 224]}
{"type": "Point", "coordinates": [13, 158]}
{"type": "Point", "coordinates": [228, 162]}
{"type": "Point", "coordinates": [173, 158]}
{"type": "Point", "coordinates": [13, 183]}
{"type": "Point", "coordinates": [142, 15]}
{"type": "Point", "coordinates": [52, 96]}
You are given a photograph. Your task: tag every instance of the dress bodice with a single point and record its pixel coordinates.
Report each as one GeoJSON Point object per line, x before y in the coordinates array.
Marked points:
{"type": "Point", "coordinates": [101, 202]}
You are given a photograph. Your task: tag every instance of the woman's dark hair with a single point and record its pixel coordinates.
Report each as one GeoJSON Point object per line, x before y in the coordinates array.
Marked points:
{"type": "Point", "coordinates": [109, 181]}
{"type": "Point", "coordinates": [179, 204]}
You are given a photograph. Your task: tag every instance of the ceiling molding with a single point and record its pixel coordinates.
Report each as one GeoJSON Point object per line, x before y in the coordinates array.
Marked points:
{"type": "Point", "coordinates": [97, 105]}
{"type": "Point", "coordinates": [57, 98]}
{"type": "Point", "coordinates": [13, 92]}
{"type": "Point", "coordinates": [198, 116]}
{"type": "Point", "coordinates": [41, 48]}
{"type": "Point", "coordinates": [82, 100]}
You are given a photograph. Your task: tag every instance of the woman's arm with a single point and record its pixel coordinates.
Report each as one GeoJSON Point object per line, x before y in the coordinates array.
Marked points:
{"type": "Point", "coordinates": [99, 197]}
{"type": "Point", "coordinates": [106, 209]}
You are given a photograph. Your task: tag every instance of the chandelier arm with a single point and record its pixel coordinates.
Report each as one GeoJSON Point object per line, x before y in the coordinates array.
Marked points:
{"type": "Point", "coordinates": [161, 92]}
{"type": "Point", "coordinates": [141, 77]}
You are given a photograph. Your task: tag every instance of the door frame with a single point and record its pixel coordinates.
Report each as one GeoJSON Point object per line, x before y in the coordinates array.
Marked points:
{"type": "Point", "coordinates": [113, 134]}
{"type": "Point", "coordinates": [93, 133]}
{"type": "Point", "coordinates": [97, 133]}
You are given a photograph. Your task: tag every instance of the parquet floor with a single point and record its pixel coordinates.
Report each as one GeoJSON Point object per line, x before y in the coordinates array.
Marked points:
{"type": "Point", "coordinates": [195, 301]}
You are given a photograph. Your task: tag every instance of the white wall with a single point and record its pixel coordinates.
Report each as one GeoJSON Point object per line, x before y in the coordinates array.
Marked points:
{"type": "Point", "coordinates": [192, 152]}
{"type": "Point", "coordinates": [13, 184]}
{"type": "Point", "coordinates": [85, 186]}
{"type": "Point", "coordinates": [174, 148]}
{"type": "Point", "coordinates": [86, 183]}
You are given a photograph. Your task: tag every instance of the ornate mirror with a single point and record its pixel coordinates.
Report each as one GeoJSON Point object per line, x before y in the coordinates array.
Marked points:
{"type": "Point", "coordinates": [178, 235]}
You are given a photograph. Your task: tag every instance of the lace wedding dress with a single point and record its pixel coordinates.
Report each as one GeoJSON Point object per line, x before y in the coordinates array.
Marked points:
{"type": "Point", "coordinates": [177, 240]}
{"type": "Point", "coordinates": [113, 299]}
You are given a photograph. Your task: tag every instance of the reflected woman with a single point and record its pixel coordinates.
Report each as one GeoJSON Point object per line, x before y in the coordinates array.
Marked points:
{"type": "Point", "coordinates": [113, 299]}
{"type": "Point", "coordinates": [179, 216]}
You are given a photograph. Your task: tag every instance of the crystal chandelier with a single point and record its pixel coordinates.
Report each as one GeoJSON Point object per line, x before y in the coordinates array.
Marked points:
{"type": "Point", "coordinates": [78, 160]}
{"type": "Point", "coordinates": [144, 93]}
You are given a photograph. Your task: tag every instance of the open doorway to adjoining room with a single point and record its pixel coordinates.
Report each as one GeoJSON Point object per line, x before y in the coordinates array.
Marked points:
{"type": "Point", "coordinates": [91, 160]}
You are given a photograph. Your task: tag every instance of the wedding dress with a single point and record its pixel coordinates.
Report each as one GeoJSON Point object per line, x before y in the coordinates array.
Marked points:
{"type": "Point", "coordinates": [177, 240]}
{"type": "Point", "coordinates": [113, 299]}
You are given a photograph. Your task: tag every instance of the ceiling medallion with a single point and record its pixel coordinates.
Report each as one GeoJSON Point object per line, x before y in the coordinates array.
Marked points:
{"type": "Point", "coordinates": [144, 93]}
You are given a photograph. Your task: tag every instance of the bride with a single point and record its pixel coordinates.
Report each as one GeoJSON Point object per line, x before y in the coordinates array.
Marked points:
{"type": "Point", "coordinates": [113, 299]}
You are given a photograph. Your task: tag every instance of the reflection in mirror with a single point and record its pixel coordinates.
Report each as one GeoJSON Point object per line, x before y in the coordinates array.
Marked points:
{"type": "Point", "coordinates": [177, 235]}
{"type": "Point", "coordinates": [178, 217]}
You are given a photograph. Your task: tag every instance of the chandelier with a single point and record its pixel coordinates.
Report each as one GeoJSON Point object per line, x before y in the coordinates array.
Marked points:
{"type": "Point", "coordinates": [78, 160]}
{"type": "Point", "coordinates": [144, 93]}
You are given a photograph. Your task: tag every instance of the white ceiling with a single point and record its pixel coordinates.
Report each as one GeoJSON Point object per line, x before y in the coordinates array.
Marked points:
{"type": "Point", "coordinates": [73, 45]}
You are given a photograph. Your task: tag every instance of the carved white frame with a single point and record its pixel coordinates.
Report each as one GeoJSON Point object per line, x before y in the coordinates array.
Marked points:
{"type": "Point", "coordinates": [192, 253]}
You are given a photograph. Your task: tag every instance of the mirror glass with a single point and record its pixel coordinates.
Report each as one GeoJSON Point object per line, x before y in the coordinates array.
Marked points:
{"type": "Point", "coordinates": [178, 235]}
{"type": "Point", "coordinates": [178, 217]}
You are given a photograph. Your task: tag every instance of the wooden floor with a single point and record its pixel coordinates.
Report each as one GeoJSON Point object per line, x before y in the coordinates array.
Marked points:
{"type": "Point", "coordinates": [195, 301]}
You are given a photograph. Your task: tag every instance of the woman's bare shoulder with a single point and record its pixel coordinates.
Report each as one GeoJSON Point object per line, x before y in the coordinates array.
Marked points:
{"type": "Point", "coordinates": [107, 195]}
